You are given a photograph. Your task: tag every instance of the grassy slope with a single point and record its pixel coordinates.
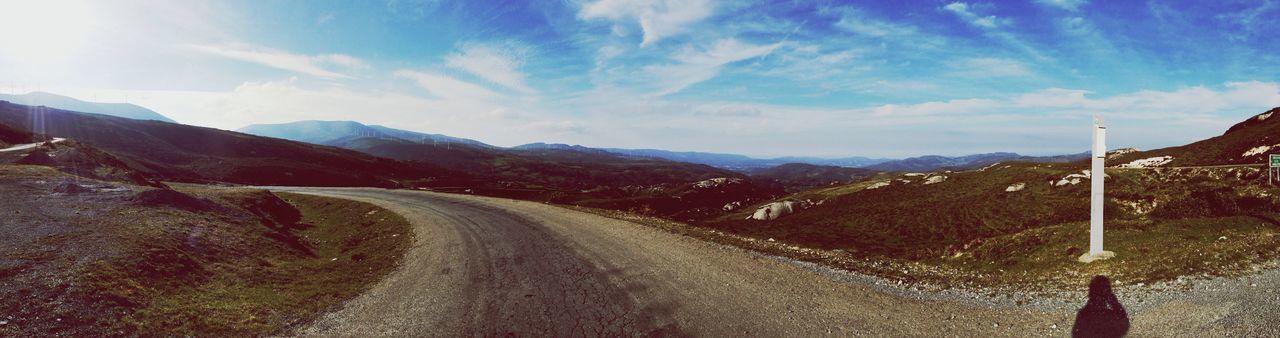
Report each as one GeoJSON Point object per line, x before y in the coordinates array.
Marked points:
{"type": "Point", "coordinates": [196, 154]}
{"type": "Point", "coordinates": [1163, 223]}
{"type": "Point", "coordinates": [119, 259]}
{"type": "Point", "coordinates": [1227, 148]}
{"type": "Point", "coordinates": [551, 169]}
{"type": "Point", "coordinates": [589, 177]}
{"type": "Point", "coordinates": [9, 135]}
{"type": "Point", "coordinates": [350, 245]}
{"type": "Point", "coordinates": [908, 220]}
{"type": "Point", "coordinates": [970, 224]}
{"type": "Point", "coordinates": [801, 176]}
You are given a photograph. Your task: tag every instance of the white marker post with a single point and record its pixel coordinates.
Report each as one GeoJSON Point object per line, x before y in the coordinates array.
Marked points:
{"type": "Point", "coordinates": [1097, 175]}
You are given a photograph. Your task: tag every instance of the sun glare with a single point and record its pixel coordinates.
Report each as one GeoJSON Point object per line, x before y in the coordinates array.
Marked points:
{"type": "Point", "coordinates": [43, 32]}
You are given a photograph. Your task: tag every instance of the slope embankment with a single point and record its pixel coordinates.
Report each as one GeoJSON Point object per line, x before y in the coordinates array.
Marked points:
{"type": "Point", "coordinates": [87, 257]}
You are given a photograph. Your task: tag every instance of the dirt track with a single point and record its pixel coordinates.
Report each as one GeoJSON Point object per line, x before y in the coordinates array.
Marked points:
{"type": "Point", "coordinates": [486, 266]}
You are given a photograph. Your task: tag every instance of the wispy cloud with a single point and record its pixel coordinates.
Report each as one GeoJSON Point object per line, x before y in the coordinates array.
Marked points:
{"type": "Point", "coordinates": [1070, 5]}
{"type": "Point", "coordinates": [446, 87]}
{"type": "Point", "coordinates": [993, 27]}
{"type": "Point", "coordinates": [961, 10]}
{"type": "Point", "coordinates": [322, 65]}
{"type": "Point", "coordinates": [697, 65]}
{"type": "Point", "coordinates": [657, 18]}
{"type": "Point", "coordinates": [857, 22]}
{"type": "Point", "coordinates": [1247, 18]}
{"type": "Point", "coordinates": [498, 64]}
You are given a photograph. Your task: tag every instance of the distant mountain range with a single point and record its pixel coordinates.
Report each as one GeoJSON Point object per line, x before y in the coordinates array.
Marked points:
{"type": "Point", "coordinates": [354, 135]}
{"type": "Point", "coordinates": [934, 162]}
{"type": "Point", "coordinates": [552, 166]}
{"type": "Point", "coordinates": [336, 132]}
{"type": "Point", "coordinates": [744, 163]}
{"type": "Point", "coordinates": [125, 110]}
{"type": "Point", "coordinates": [176, 152]}
{"type": "Point", "coordinates": [800, 176]}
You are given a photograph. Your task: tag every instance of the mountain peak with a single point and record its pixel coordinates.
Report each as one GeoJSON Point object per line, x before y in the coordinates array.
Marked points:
{"type": "Point", "coordinates": [336, 132]}
{"type": "Point", "coordinates": [51, 100]}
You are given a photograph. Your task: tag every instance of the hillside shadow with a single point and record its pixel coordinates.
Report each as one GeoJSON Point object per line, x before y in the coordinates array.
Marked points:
{"type": "Point", "coordinates": [1102, 315]}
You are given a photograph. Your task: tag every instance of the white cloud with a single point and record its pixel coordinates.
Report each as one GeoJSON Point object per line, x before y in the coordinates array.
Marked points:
{"type": "Point", "coordinates": [446, 87]}
{"type": "Point", "coordinates": [1070, 5]}
{"type": "Point", "coordinates": [854, 21]}
{"type": "Point", "coordinates": [498, 64]}
{"type": "Point", "coordinates": [1145, 104]}
{"type": "Point", "coordinates": [963, 106]}
{"type": "Point", "coordinates": [695, 65]}
{"type": "Point", "coordinates": [314, 65]}
{"type": "Point", "coordinates": [962, 10]}
{"type": "Point", "coordinates": [657, 18]}
{"type": "Point", "coordinates": [992, 26]}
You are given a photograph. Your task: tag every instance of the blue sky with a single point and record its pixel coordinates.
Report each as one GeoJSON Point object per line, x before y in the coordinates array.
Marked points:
{"type": "Point", "coordinates": [866, 78]}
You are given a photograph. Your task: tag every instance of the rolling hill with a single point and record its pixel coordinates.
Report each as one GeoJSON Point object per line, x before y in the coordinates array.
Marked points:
{"type": "Point", "coordinates": [1247, 142]}
{"type": "Point", "coordinates": [178, 152]}
{"type": "Point", "coordinates": [10, 135]}
{"type": "Point", "coordinates": [125, 110]}
{"type": "Point", "coordinates": [338, 132]}
{"type": "Point", "coordinates": [536, 165]}
{"type": "Point", "coordinates": [548, 172]}
{"type": "Point", "coordinates": [1025, 221]}
{"type": "Point", "coordinates": [935, 162]}
{"type": "Point", "coordinates": [741, 162]}
{"type": "Point", "coordinates": [801, 176]}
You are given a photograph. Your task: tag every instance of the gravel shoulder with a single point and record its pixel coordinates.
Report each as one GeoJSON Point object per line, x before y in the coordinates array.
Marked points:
{"type": "Point", "coordinates": [487, 266]}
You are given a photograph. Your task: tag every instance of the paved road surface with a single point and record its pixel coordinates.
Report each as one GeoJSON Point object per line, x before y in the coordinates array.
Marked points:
{"type": "Point", "coordinates": [486, 266]}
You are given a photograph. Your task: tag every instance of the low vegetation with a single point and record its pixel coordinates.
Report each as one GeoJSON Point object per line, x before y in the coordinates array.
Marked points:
{"type": "Point", "coordinates": [799, 176]}
{"type": "Point", "coordinates": [92, 258]}
{"type": "Point", "coordinates": [175, 152]}
{"type": "Point", "coordinates": [1022, 225]}
{"type": "Point", "coordinates": [1247, 142]}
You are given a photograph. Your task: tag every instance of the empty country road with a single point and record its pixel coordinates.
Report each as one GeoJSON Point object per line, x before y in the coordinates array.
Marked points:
{"type": "Point", "coordinates": [488, 266]}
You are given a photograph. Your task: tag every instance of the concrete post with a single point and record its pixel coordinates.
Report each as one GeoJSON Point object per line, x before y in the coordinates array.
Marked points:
{"type": "Point", "coordinates": [1097, 177]}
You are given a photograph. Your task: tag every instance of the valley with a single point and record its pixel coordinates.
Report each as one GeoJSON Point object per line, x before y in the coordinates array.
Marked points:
{"type": "Point", "coordinates": [992, 228]}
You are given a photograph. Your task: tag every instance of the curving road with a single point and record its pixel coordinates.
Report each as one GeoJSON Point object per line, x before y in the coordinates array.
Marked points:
{"type": "Point", "coordinates": [487, 266]}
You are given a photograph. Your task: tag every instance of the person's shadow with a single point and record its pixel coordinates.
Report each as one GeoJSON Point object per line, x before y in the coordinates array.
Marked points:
{"type": "Point", "coordinates": [1102, 315]}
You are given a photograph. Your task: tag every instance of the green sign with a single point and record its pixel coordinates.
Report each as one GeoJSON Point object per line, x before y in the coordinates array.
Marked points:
{"type": "Point", "coordinates": [1275, 160]}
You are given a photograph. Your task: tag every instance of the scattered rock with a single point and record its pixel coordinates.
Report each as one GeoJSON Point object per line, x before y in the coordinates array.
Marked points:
{"type": "Point", "coordinates": [1016, 187]}
{"type": "Point", "coordinates": [1259, 150]}
{"type": "Point", "coordinates": [773, 210]}
{"type": "Point", "coordinates": [878, 185]}
{"type": "Point", "coordinates": [716, 182]}
{"type": "Point", "coordinates": [935, 179]}
{"type": "Point", "coordinates": [1148, 162]}
{"type": "Point", "coordinates": [71, 188]}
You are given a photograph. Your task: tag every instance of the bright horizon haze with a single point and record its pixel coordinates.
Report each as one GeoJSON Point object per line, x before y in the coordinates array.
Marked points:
{"type": "Point", "coordinates": [764, 79]}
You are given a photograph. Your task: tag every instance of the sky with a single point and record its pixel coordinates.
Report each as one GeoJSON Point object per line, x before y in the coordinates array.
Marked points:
{"type": "Point", "coordinates": [777, 78]}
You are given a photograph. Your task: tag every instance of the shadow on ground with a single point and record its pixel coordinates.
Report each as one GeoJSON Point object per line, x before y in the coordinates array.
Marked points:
{"type": "Point", "coordinates": [1102, 315]}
